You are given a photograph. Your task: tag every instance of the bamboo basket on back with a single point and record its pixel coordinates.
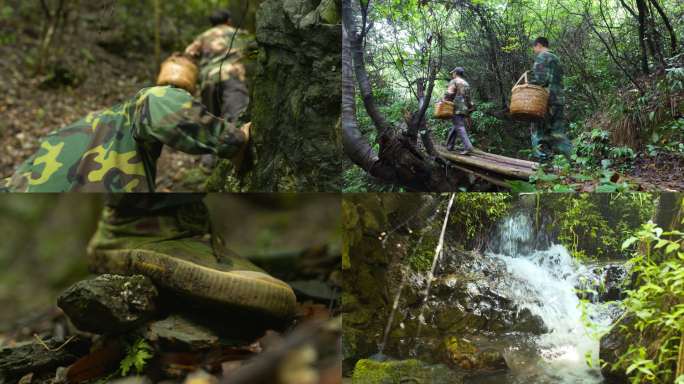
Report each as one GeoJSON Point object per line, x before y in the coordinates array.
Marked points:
{"type": "Point", "coordinates": [178, 71]}
{"type": "Point", "coordinates": [444, 109]}
{"type": "Point", "coordinates": [529, 102]}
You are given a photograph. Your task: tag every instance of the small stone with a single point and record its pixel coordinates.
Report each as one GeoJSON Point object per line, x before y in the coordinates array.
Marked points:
{"type": "Point", "coordinates": [110, 303]}
{"type": "Point", "coordinates": [178, 333]}
{"type": "Point", "coordinates": [26, 379]}
{"type": "Point", "coordinates": [61, 374]}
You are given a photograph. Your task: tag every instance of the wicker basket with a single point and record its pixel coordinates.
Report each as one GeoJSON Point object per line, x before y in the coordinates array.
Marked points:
{"type": "Point", "coordinates": [178, 71]}
{"type": "Point", "coordinates": [444, 109]}
{"type": "Point", "coordinates": [529, 102]}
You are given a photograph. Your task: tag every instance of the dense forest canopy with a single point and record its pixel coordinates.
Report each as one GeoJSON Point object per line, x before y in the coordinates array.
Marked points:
{"type": "Point", "coordinates": [622, 66]}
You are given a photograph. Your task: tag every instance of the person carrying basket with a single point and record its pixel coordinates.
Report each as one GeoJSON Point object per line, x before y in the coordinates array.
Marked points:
{"type": "Point", "coordinates": [458, 91]}
{"type": "Point", "coordinates": [547, 135]}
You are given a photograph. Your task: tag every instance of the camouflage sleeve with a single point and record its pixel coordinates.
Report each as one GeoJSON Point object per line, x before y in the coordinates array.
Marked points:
{"type": "Point", "coordinates": [194, 51]}
{"type": "Point", "coordinates": [451, 91]}
{"type": "Point", "coordinates": [540, 75]}
{"type": "Point", "coordinates": [171, 116]}
{"type": "Point", "coordinates": [469, 99]}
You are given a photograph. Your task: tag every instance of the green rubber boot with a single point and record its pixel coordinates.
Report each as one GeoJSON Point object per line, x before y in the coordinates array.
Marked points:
{"type": "Point", "coordinates": [179, 250]}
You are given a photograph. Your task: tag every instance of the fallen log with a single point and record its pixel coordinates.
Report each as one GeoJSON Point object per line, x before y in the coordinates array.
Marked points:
{"type": "Point", "coordinates": [492, 180]}
{"type": "Point", "coordinates": [516, 172]}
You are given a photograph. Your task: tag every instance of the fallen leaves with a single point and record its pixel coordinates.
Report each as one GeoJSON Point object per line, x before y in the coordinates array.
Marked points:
{"type": "Point", "coordinates": [102, 360]}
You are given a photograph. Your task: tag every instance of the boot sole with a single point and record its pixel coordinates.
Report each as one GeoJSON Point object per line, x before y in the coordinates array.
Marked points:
{"type": "Point", "coordinates": [249, 291]}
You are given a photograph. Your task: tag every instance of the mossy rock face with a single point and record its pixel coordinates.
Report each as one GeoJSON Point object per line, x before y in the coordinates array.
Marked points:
{"type": "Point", "coordinates": [371, 372]}
{"type": "Point", "coordinates": [295, 107]}
{"type": "Point", "coordinates": [462, 354]}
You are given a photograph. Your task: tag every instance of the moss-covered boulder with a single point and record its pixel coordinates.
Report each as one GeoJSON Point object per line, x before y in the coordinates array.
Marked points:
{"type": "Point", "coordinates": [459, 353]}
{"type": "Point", "coordinates": [295, 107]}
{"type": "Point", "coordinates": [406, 371]}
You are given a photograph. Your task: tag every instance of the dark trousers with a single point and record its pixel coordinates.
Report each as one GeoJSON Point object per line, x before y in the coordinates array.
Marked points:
{"type": "Point", "coordinates": [234, 99]}
{"type": "Point", "coordinates": [140, 203]}
{"type": "Point", "coordinates": [458, 128]}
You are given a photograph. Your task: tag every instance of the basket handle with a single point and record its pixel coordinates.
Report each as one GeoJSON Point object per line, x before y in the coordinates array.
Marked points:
{"type": "Point", "coordinates": [521, 77]}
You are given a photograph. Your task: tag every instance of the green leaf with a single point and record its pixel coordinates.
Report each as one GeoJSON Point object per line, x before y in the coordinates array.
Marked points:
{"type": "Point", "coordinates": [646, 315]}
{"type": "Point", "coordinates": [671, 247]}
{"type": "Point", "coordinates": [547, 177]}
{"type": "Point", "coordinates": [605, 163]}
{"type": "Point", "coordinates": [661, 243]}
{"type": "Point", "coordinates": [563, 189]}
{"type": "Point", "coordinates": [587, 357]}
{"type": "Point", "coordinates": [629, 242]}
{"type": "Point", "coordinates": [519, 186]}
{"type": "Point", "coordinates": [606, 188]}
{"type": "Point", "coordinates": [582, 177]}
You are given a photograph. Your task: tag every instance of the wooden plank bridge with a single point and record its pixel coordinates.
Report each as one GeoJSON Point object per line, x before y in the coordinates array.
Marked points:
{"type": "Point", "coordinates": [492, 168]}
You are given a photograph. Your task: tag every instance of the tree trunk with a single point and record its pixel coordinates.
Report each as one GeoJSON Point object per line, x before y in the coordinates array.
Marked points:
{"type": "Point", "coordinates": [52, 21]}
{"type": "Point", "coordinates": [673, 37]}
{"type": "Point", "coordinates": [641, 7]}
{"type": "Point", "coordinates": [399, 162]}
{"type": "Point", "coordinates": [157, 37]}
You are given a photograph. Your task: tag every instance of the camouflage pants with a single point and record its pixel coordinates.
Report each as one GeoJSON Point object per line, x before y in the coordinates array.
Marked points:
{"type": "Point", "coordinates": [146, 202]}
{"type": "Point", "coordinates": [549, 135]}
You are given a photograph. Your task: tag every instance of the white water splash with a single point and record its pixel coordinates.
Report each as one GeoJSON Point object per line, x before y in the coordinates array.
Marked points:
{"type": "Point", "coordinates": [542, 282]}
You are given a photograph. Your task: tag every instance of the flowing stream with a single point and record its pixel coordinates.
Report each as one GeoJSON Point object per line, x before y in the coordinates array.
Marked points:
{"type": "Point", "coordinates": [543, 276]}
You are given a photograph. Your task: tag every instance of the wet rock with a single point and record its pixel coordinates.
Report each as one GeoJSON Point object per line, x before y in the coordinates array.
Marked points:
{"type": "Point", "coordinates": [608, 280]}
{"type": "Point", "coordinates": [110, 303]}
{"type": "Point", "coordinates": [615, 344]}
{"type": "Point", "coordinates": [409, 371]}
{"type": "Point", "coordinates": [462, 354]}
{"type": "Point", "coordinates": [178, 333]}
{"type": "Point", "coordinates": [26, 357]}
{"type": "Point", "coordinates": [460, 285]}
{"type": "Point", "coordinates": [295, 108]}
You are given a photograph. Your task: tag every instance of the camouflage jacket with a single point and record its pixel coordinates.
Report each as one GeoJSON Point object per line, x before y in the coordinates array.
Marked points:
{"type": "Point", "coordinates": [116, 150]}
{"type": "Point", "coordinates": [548, 73]}
{"type": "Point", "coordinates": [208, 50]}
{"type": "Point", "coordinates": [459, 91]}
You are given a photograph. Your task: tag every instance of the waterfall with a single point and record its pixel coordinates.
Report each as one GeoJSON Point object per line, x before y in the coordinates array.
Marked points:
{"type": "Point", "coordinates": [542, 276]}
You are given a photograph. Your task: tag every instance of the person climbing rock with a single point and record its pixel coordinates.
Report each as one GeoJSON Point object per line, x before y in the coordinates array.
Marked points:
{"type": "Point", "coordinates": [225, 95]}
{"type": "Point", "coordinates": [170, 239]}
{"type": "Point", "coordinates": [116, 150]}
{"type": "Point", "coordinates": [548, 73]}
{"type": "Point", "coordinates": [458, 91]}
